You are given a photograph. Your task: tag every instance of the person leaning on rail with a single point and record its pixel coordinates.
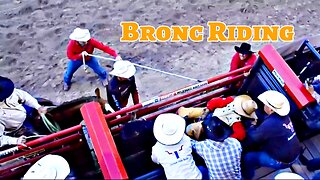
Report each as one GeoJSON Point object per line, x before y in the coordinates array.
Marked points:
{"type": "Point", "coordinates": [81, 44]}
{"type": "Point", "coordinates": [13, 113]}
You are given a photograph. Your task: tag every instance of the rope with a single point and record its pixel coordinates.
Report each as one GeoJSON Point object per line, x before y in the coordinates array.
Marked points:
{"type": "Point", "coordinates": [146, 67]}
{"type": "Point", "coordinates": [84, 63]}
{"type": "Point", "coordinates": [53, 128]}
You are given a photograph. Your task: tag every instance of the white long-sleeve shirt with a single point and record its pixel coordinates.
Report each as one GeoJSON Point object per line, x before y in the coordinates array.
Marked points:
{"type": "Point", "coordinates": [13, 114]}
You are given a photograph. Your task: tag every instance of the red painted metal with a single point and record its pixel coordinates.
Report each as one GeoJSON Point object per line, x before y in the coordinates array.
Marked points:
{"type": "Point", "coordinates": [8, 172]}
{"type": "Point", "coordinates": [48, 145]}
{"type": "Point", "coordinates": [173, 108]}
{"type": "Point", "coordinates": [45, 138]}
{"type": "Point", "coordinates": [156, 106]}
{"type": "Point", "coordinates": [103, 143]}
{"type": "Point", "coordinates": [292, 85]}
{"type": "Point", "coordinates": [180, 91]}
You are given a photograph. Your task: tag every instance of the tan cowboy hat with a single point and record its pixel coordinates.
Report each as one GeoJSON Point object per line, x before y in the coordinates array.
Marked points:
{"type": "Point", "coordinates": [195, 130]}
{"type": "Point", "coordinates": [124, 69]}
{"type": "Point", "coordinates": [190, 112]}
{"type": "Point", "coordinates": [276, 101]}
{"type": "Point", "coordinates": [79, 34]}
{"type": "Point", "coordinates": [169, 128]}
{"type": "Point", "coordinates": [245, 106]}
{"type": "Point", "coordinates": [49, 167]}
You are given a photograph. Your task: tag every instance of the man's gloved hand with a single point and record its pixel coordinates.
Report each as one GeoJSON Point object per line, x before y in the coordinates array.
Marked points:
{"type": "Point", "coordinates": [21, 140]}
{"type": "Point", "coordinates": [118, 58]}
{"type": "Point", "coordinates": [84, 53]}
{"type": "Point", "coordinates": [42, 109]}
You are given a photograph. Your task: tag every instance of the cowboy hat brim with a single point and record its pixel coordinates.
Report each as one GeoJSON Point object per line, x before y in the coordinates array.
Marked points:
{"type": "Point", "coordinates": [82, 35]}
{"type": "Point", "coordinates": [284, 110]}
{"type": "Point", "coordinates": [242, 51]}
{"type": "Point", "coordinates": [160, 124]}
{"type": "Point", "coordinates": [6, 88]}
{"type": "Point", "coordinates": [124, 69]}
{"type": "Point", "coordinates": [238, 106]}
{"type": "Point", "coordinates": [49, 167]}
{"type": "Point", "coordinates": [215, 129]}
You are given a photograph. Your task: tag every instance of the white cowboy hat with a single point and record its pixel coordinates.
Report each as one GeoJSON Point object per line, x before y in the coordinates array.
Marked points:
{"type": "Point", "coordinates": [288, 175]}
{"type": "Point", "coordinates": [79, 34]}
{"type": "Point", "coordinates": [169, 128]}
{"type": "Point", "coordinates": [276, 101]}
{"type": "Point", "coordinates": [49, 167]}
{"type": "Point", "coordinates": [245, 106]}
{"type": "Point", "coordinates": [124, 69]}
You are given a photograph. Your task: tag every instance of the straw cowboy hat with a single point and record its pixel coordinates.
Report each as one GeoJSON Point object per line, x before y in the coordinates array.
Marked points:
{"type": "Point", "coordinates": [245, 106]}
{"type": "Point", "coordinates": [244, 48]}
{"type": "Point", "coordinates": [276, 101]}
{"type": "Point", "coordinates": [195, 130]}
{"type": "Point", "coordinates": [124, 69]}
{"type": "Point", "coordinates": [49, 167]}
{"type": "Point", "coordinates": [6, 88]}
{"type": "Point", "coordinates": [215, 129]}
{"type": "Point", "coordinates": [79, 34]}
{"type": "Point", "coordinates": [169, 128]}
{"type": "Point", "coordinates": [190, 112]}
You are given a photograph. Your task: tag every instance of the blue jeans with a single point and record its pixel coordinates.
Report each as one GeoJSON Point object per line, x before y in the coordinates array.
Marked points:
{"type": "Point", "coordinates": [93, 63]}
{"type": "Point", "coordinates": [204, 172]}
{"type": "Point", "coordinates": [254, 160]}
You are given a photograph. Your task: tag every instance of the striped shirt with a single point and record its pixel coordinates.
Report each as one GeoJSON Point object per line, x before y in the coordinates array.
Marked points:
{"type": "Point", "coordinates": [222, 158]}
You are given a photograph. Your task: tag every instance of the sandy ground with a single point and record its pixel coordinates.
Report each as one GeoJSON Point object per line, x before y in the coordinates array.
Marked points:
{"type": "Point", "coordinates": [34, 35]}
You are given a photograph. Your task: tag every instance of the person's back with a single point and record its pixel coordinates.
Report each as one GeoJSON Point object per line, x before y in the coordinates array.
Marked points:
{"type": "Point", "coordinates": [220, 152]}
{"type": "Point", "coordinates": [173, 148]}
{"type": "Point", "coordinates": [278, 138]}
{"type": "Point", "coordinates": [177, 160]}
{"type": "Point", "coordinates": [222, 158]}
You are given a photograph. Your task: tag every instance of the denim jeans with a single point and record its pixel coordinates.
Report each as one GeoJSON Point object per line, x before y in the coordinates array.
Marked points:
{"type": "Point", "coordinates": [93, 63]}
{"type": "Point", "coordinates": [254, 160]}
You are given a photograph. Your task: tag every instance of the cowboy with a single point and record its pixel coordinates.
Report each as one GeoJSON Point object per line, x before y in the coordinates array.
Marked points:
{"type": "Point", "coordinates": [81, 45]}
{"type": "Point", "coordinates": [243, 57]}
{"type": "Point", "coordinates": [121, 85]}
{"type": "Point", "coordinates": [173, 148]}
{"type": "Point", "coordinates": [229, 110]}
{"type": "Point", "coordinates": [49, 167]}
{"type": "Point", "coordinates": [275, 139]}
{"type": "Point", "coordinates": [220, 152]}
{"type": "Point", "coordinates": [13, 113]}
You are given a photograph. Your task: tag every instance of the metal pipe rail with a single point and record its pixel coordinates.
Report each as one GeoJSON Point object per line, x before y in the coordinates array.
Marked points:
{"type": "Point", "coordinates": [156, 106]}
{"type": "Point", "coordinates": [180, 91]}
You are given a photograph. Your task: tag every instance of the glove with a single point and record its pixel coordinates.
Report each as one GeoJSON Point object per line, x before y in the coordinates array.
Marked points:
{"type": "Point", "coordinates": [21, 140]}
{"type": "Point", "coordinates": [118, 58]}
{"type": "Point", "coordinates": [84, 53]}
{"type": "Point", "coordinates": [42, 109]}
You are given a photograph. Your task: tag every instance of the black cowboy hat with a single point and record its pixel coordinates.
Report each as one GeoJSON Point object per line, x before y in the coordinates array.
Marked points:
{"type": "Point", "coordinates": [244, 48]}
{"type": "Point", "coordinates": [6, 88]}
{"type": "Point", "coordinates": [215, 129]}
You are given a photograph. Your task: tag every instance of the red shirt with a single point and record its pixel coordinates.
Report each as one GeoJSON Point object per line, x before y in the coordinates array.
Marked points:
{"type": "Point", "coordinates": [74, 49]}
{"type": "Point", "coordinates": [218, 102]}
{"type": "Point", "coordinates": [237, 63]}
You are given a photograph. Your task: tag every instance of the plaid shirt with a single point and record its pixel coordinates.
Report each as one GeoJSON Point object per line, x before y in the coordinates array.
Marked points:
{"type": "Point", "coordinates": [222, 158]}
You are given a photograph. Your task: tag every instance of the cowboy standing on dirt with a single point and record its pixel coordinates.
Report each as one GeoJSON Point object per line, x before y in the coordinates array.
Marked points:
{"type": "Point", "coordinates": [276, 140]}
{"type": "Point", "coordinates": [82, 44]}
{"type": "Point", "coordinates": [121, 85]}
{"type": "Point", "coordinates": [12, 112]}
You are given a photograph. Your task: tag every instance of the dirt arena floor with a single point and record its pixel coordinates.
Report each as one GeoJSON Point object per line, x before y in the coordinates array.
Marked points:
{"type": "Point", "coordinates": [34, 35]}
